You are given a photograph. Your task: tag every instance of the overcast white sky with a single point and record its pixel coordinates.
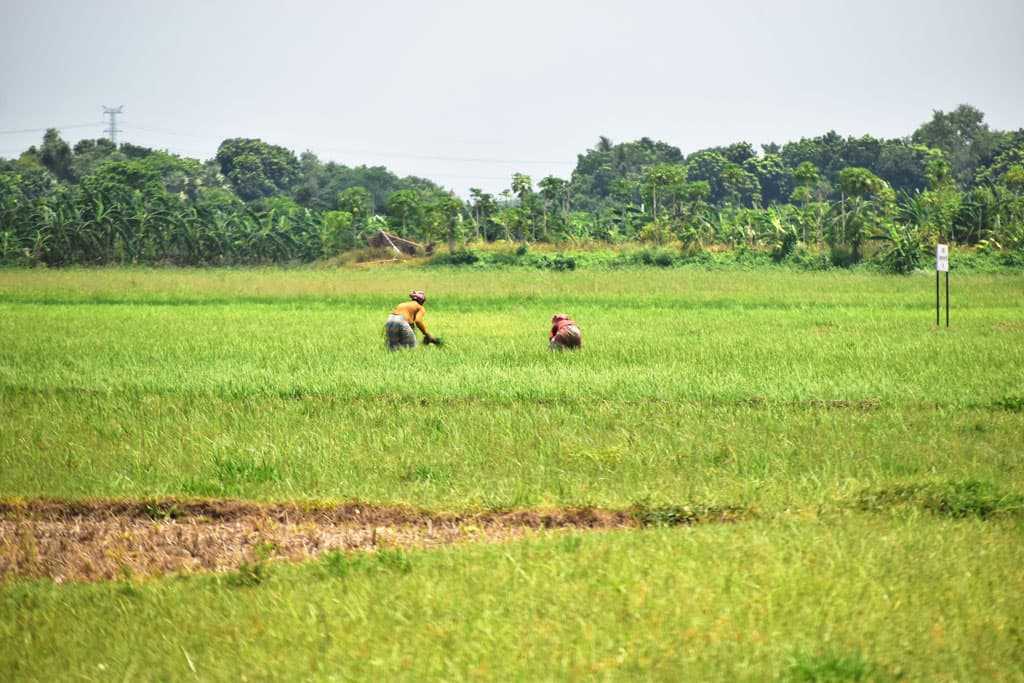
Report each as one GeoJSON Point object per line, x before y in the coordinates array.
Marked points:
{"type": "Point", "coordinates": [468, 92]}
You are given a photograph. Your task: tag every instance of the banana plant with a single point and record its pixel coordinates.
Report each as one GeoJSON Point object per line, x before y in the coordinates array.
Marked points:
{"type": "Point", "coordinates": [902, 250]}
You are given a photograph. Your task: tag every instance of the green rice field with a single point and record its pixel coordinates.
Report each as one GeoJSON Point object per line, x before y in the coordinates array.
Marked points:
{"type": "Point", "coordinates": [873, 463]}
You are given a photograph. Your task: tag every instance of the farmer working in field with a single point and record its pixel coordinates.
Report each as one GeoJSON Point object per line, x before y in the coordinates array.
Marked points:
{"type": "Point", "coordinates": [565, 334]}
{"type": "Point", "coordinates": [398, 331]}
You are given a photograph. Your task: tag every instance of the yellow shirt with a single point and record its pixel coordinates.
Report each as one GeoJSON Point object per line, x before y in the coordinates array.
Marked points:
{"type": "Point", "coordinates": [413, 312]}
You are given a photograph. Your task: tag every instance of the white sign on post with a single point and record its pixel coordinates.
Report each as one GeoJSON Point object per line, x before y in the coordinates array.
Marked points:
{"type": "Point", "coordinates": [942, 258]}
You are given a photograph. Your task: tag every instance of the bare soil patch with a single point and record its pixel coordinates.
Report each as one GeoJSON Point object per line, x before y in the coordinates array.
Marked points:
{"type": "Point", "coordinates": [102, 539]}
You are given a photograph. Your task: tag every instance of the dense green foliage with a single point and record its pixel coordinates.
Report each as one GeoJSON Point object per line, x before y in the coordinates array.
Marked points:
{"type": "Point", "coordinates": [841, 200]}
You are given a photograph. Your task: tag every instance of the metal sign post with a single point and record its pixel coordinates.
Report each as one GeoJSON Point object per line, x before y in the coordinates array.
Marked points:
{"type": "Point", "coordinates": [941, 266]}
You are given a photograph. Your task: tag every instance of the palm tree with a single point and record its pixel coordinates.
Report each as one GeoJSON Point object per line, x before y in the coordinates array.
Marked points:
{"type": "Point", "coordinates": [552, 190]}
{"type": "Point", "coordinates": [522, 186]}
{"type": "Point", "coordinates": [483, 207]}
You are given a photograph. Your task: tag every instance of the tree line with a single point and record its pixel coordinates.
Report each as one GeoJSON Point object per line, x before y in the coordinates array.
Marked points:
{"type": "Point", "coordinates": [953, 180]}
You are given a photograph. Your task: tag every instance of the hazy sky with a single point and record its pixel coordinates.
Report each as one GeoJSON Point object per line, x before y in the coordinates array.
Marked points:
{"type": "Point", "coordinates": [468, 92]}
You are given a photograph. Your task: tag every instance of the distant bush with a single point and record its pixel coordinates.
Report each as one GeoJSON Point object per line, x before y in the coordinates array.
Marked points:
{"type": "Point", "coordinates": [983, 261]}
{"type": "Point", "coordinates": [463, 257]}
{"type": "Point", "coordinates": [523, 257]}
{"type": "Point", "coordinates": [804, 257]}
{"type": "Point", "coordinates": [657, 256]}
{"type": "Point", "coordinates": [807, 257]}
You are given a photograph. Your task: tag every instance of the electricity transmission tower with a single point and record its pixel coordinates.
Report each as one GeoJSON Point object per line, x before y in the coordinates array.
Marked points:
{"type": "Point", "coordinates": [112, 112]}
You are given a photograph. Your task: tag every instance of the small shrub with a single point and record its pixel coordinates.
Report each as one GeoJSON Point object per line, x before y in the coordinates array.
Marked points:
{"type": "Point", "coordinates": [750, 258]}
{"type": "Point", "coordinates": [570, 544]}
{"type": "Point", "coordinates": [684, 515]}
{"type": "Point", "coordinates": [200, 487]}
{"type": "Point", "coordinates": [702, 257]}
{"type": "Point", "coordinates": [833, 668]}
{"type": "Point", "coordinates": [240, 469]}
{"type": "Point", "coordinates": [339, 564]}
{"type": "Point", "coordinates": [655, 256]}
{"type": "Point", "coordinates": [1013, 404]}
{"type": "Point", "coordinates": [160, 513]}
{"type": "Point", "coordinates": [395, 560]}
{"type": "Point", "coordinates": [462, 257]}
{"type": "Point", "coordinates": [427, 474]}
{"type": "Point", "coordinates": [843, 256]}
{"type": "Point", "coordinates": [561, 262]}
{"type": "Point", "coordinates": [808, 257]}
{"type": "Point", "coordinates": [1013, 258]}
{"type": "Point", "coordinates": [248, 575]}
{"type": "Point", "coordinates": [264, 550]}
{"type": "Point", "coordinates": [784, 246]}
{"type": "Point", "coordinates": [901, 251]}
{"type": "Point", "coordinates": [951, 499]}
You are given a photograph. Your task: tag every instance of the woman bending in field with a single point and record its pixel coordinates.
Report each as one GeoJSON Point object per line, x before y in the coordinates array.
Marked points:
{"type": "Point", "coordinates": [565, 334]}
{"type": "Point", "coordinates": [398, 330]}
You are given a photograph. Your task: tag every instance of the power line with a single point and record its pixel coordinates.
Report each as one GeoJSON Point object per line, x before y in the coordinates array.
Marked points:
{"type": "Point", "coordinates": [163, 131]}
{"type": "Point", "coordinates": [112, 130]}
{"type": "Point", "coordinates": [370, 152]}
{"type": "Point", "coordinates": [464, 177]}
{"type": "Point", "coordinates": [424, 157]}
{"type": "Point", "coordinates": [43, 130]}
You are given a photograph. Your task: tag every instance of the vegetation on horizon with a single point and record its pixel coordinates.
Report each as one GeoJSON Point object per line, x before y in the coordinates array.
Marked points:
{"type": "Point", "coordinates": [824, 201]}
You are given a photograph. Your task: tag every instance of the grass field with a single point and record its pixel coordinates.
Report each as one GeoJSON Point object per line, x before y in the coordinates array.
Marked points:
{"type": "Point", "coordinates": [874, 460]}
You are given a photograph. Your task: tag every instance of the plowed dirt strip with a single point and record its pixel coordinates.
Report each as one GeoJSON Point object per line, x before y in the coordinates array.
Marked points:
{"type": "Point", "coordinates": [100, 540]}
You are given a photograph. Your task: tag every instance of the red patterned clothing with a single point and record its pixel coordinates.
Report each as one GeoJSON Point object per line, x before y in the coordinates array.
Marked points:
{"type": "Point", "coordinates": [565, 334]}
